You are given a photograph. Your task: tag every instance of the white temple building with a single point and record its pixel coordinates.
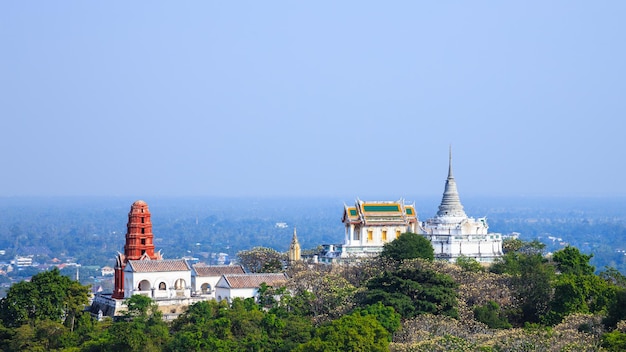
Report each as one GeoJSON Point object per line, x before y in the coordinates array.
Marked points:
{"type": "Point", "coordinates": [368, 227]}
{"type": "Point", "coordinates": [453, 234]}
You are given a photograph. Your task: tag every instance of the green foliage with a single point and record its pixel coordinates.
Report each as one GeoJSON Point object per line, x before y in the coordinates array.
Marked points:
{"type": "Point", "coordinates": [386, 316]}
{"type": "Point", "coordinates": [616, 308]}
{"type": "Point", "coordinates": [570, 261]}
{"type": "Point", "coordinates": [243, 326]}
{"type": "Point", "coordinates": [578, 294]}
{"type": "Point", "coordinates": [352, 332]}
{"type": "Point", "coordinates": [413, 291]}
{"type": "Point", "coordinates": [614, 341]}
{"type": "Point", "coordinates": [491, 315]}
{"type": "Point", "coordinates": [139, 306]}
{"type": "Point", "coordinates": [408, 246]}
{"type": "Point", "coordinates": [48, 296]}
{"type": "Point", "coordinates": [469, 264]}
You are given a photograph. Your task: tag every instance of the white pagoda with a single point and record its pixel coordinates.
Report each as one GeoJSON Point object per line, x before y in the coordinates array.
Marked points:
{"type": "Point", "coordinates": [453, 234]}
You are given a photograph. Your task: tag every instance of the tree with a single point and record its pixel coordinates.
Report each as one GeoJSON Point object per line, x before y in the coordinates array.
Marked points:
{"type": "Point", "coordinates": [139, 306]}
{"type": "Point", "coordinates": [616, 309]}
{"type": "Point", "coordinates": [570, 261]}
{"type": "Point", "coordinates": [262, 260]}
{"type": "Point", "coordinates": [143, 329]}
{"type": "Point", "coordinates": [532, 286]}
{"type": "Point", "coordinates": [408, 246]}
{"type": "Point", "coordinates": [469, 264]}
{"type": "Point", "coordinates": [491, 315]}
{"type": "Point", "coordinates": [413, 291]}
{"type": "Point", "coordinates": [352, 332]}
{"type": "Point", "coordinates": [386, 316]}
{"type": "Point", "coordinates": [48, 296]}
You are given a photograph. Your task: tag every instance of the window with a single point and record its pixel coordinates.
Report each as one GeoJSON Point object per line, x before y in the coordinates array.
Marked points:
{"type": "Point", "coordinates": [370, 235]}
{"type": "Point", "coordinates": [143, 251]}
{"type": "Point", "coordinates": [384, 235]}
{"type": "Point", "coordinates": [142, 219]}
{"type": "Point", "coordinates": [398, 233]}
{"type": "Point", "coordinates": [143, 241]}
{"type": "Point", "coordinates": [357, 235]}
{"type": "Point", "coordinates": [162, 286]}
{"type": "Point", "coordinates": [143, 230]}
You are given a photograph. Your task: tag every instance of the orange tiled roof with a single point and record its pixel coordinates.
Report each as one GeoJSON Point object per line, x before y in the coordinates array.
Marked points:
{"type": "Point", "coordinates": [151, 266]}
{"type": "Point", "coordinates": [218, 270]}
{"type": "Point", "coordinates": [255, 280]}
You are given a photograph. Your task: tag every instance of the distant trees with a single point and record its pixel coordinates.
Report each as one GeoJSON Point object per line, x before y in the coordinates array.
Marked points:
{"type": "Point", "coordinates": [408, 246]}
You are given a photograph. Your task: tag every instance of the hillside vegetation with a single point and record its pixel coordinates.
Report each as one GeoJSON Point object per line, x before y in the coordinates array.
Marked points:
{"type": "Point", "coordinates": [396, 302]}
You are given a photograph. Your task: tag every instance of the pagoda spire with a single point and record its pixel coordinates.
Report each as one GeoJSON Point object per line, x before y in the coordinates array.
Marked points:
{"type": "Point", "coordinates": [451, 203]}
{"type": "Point", "coordinates": [294, 248]}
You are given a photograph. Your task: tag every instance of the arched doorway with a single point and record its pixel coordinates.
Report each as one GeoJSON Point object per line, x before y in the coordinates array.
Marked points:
{"type": "Point", "coordinates": [205, 288]}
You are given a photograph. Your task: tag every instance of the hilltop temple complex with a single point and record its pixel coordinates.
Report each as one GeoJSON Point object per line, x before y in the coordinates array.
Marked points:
{"type": "Point", "coordinates": [369, 225]}
{"type": "Point", "coordinates": [173, 284]}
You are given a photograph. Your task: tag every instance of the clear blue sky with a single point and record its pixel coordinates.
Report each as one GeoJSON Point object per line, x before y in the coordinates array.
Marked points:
{"type": "Point", "coordinates": [326, 98]}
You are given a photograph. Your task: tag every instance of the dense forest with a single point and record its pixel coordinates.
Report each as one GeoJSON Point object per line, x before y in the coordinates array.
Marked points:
{"type": "Point", "coordinates": [402, 300]}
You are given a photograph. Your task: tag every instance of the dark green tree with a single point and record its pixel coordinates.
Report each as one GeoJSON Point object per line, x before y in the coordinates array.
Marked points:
{"type": "Point", "coordinates": [408, 246]}
{"type": "Point", "coordinates": [491, 315]}
{"type": "Point", "coordinates": [616, 308]}
{"type": "Point", "coordinates": [413, 291]}
{"type": "Point", "coordinates": [533, 286]}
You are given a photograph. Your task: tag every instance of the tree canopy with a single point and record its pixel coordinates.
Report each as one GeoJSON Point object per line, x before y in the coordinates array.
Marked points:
{"type": "Point", "coordinates": [409, 245]}
{"type": "Point", "coordinates": [48, 296]}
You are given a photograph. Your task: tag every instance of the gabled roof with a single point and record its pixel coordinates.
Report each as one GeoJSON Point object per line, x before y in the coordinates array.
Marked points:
{"type": "Point", "coordinates": [152, 266]}
{"type": "Point", "coordinates": [380, 212]}
{"type": "Point", "coordinates": [217, 270]}
{"type": "Point", "coordinates": [251, 280]}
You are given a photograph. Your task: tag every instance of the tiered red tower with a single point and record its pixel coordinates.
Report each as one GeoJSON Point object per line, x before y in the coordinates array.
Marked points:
{"type": "Point", "coordinates": [139, 243]}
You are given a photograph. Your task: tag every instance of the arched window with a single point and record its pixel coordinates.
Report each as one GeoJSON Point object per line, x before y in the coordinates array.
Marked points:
{"type": "Point", "coordinates": [162, 286]}
{"type": "Point", "coordinates": [206, 288]}
{"type": "Point", "coordinates": [144, 285]}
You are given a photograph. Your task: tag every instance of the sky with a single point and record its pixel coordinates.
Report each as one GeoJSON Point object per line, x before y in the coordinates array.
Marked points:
{"type": "Point", "coordinates": [320, 98]}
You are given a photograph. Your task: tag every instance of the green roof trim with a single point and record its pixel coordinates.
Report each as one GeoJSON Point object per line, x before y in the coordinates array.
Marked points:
{"type": "Point", "coordinates": [409, 211]}
{"type": "Point", "coordinates": [352, 212]}
{"type": "Point", "coordinates": [381, 208]}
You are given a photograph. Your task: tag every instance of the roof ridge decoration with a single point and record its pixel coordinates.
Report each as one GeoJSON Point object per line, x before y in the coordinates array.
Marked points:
{"type": "Point", "coordinates": [451, 202]}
